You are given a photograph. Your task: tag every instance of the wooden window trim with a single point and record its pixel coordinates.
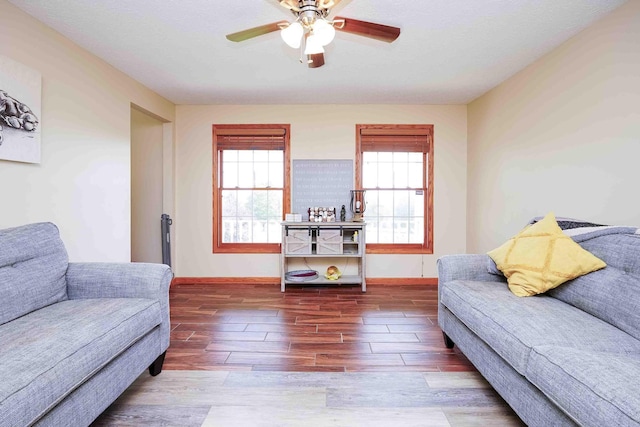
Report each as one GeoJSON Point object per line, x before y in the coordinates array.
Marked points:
{"type": "Point", "coordinates": [240, 130]}
{"type": "Point", "coordinates": [402, 130]}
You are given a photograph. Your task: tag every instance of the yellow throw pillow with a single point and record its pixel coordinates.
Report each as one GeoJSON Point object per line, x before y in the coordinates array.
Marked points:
{"type": "Point", "coordinates": [542, 257]}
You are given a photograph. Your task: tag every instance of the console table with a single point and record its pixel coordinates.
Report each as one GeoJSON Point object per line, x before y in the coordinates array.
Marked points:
{"type": "Point", "coordinates": [324, 240]}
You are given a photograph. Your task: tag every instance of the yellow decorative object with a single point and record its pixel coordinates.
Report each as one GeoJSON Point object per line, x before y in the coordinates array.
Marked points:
{"type": "Point", "coordinates": [333, 273]}
{"type": "Point", "coordinates": [541, 257]}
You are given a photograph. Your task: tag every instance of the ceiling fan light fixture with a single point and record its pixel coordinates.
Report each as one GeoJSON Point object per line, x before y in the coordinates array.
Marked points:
{"type": "Point", "coordinates": [292, 35]}
{"type": "Point", "coordinates": [313, 45]}
{"type": "Point", "coordinates": [324, 31]}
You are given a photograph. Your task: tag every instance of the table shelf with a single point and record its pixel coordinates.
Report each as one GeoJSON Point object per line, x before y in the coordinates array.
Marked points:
{"type": "Point", "coordinates": [324, 240]}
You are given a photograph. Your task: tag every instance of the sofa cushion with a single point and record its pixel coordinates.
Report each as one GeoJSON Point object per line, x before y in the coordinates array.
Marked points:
{"type": "Point", "coordinates": [617, 250]}
{"type": "Point", "coordinates": [597, 388]}
{"type": "Point", "coordinates": [48, 353]}
{"type": "Point", "coordinates": [33, 263]}
{"type": "Point", "coordinates": [512, 326]}
{"type": "Point", "coordinates": [542, 257]}
{"type": "Point", "coordinates": [611, 294]}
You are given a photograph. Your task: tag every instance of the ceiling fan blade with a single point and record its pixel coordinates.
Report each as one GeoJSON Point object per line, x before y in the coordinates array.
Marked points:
{"type": "Point", "coordinates": [315, 60]}
{"type": "Point", "coordinates": [256, 31]}
{"type": "Point", "coordinates": [372, 30]}
{"type": "Point", "coordinates": [327, 4]}
{"type": "Point", "coordinates": [290, 4]}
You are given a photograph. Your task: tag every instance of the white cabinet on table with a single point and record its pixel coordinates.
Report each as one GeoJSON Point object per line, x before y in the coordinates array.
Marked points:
{"type": "Point", "coordinates": [324, 240]}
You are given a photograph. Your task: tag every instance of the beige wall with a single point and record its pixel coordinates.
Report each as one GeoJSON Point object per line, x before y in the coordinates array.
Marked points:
{"type": "Point", "coordinates": [318, 132]}
{"type": "Point", "coordinates": [562, 135]}
{"type": "Point", "coordinates": [83, 182]}
{"type": "Point", "coordinates": [146, 187]}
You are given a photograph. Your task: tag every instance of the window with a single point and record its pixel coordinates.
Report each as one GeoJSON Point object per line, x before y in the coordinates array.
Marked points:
{"type": "Point", "coordinates": [250, 187]}
{"type": "Point", "coordinates": [394, 164]}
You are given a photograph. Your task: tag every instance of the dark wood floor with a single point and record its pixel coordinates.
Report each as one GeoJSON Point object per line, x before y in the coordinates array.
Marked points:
{"type": "Point", "coordinates": [308, 328]}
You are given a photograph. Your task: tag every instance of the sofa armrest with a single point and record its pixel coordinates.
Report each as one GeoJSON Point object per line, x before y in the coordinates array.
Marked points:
{"type": "Point", "coordinates": [118, 280]}
{"type": "Point", "coordinates": [123, 280]}
{"type": "Point", "coordinates": [467, 267]}
{"type": "Point", "coordinates": [472, 267]}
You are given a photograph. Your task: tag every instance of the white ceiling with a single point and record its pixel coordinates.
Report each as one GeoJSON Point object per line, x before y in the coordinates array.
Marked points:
{"type": "Point", "coordinates": [449, 51]}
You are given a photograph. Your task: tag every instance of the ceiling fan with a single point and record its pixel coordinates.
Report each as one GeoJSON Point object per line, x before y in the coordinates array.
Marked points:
{"type": "Point", "coordinates": [311, 30]}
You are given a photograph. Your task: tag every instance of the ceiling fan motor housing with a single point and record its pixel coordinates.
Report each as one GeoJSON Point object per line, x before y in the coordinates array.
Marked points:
{"type": "Point", "coordinates": [309, 12]}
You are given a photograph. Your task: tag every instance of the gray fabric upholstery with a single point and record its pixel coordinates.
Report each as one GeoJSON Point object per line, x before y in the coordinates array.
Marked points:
{"type": "Point", "coordinates": [467, 267]}
{"type": "Point", "coordinates": [609, 294]}
{"type": "Point", "coordinates": [600, 388]}
{"type": "Point", "coordinates": [118, 280]}
{"type": "Point", "coordinates": [531, 405]}
{"type": "Point", "coordinates": [46, 354]}
{"type": "Point", "coordinates": [570, 355]}
{"type": "Point", "coordinates": [33, 263]}
{"type": "Point", "coordinates": [613, 293]}
{"type": "Point", "coordinates": [488, 309]}
{"type": "Point", "coordinates": [73, 336]}
{"type": "Point", "coordinates": [96, 394]}
{"type": "Point", "coordinates": [621, 251]}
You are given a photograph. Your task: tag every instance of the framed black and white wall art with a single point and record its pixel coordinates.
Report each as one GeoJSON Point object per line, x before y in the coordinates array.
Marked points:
{"type": "Point", "coordinates": [20, 112]}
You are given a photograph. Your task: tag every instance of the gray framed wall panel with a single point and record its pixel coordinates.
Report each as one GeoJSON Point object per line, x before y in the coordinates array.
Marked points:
{"type": "Point", "coordinates": [321, 183]}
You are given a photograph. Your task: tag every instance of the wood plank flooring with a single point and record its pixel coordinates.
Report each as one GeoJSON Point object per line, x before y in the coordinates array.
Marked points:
{"type": "Point", "coordinates": [249, 355]}
{"type": "Point", "coordinates": [308, 328]}
{"type": "Point", "coordinates": [322, 399]}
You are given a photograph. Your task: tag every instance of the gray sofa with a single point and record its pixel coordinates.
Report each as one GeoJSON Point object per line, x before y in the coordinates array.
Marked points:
{"type": "Point", "coordinates": [567, 357]}
{"type": "Point", "coordinates": [73, 336]}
